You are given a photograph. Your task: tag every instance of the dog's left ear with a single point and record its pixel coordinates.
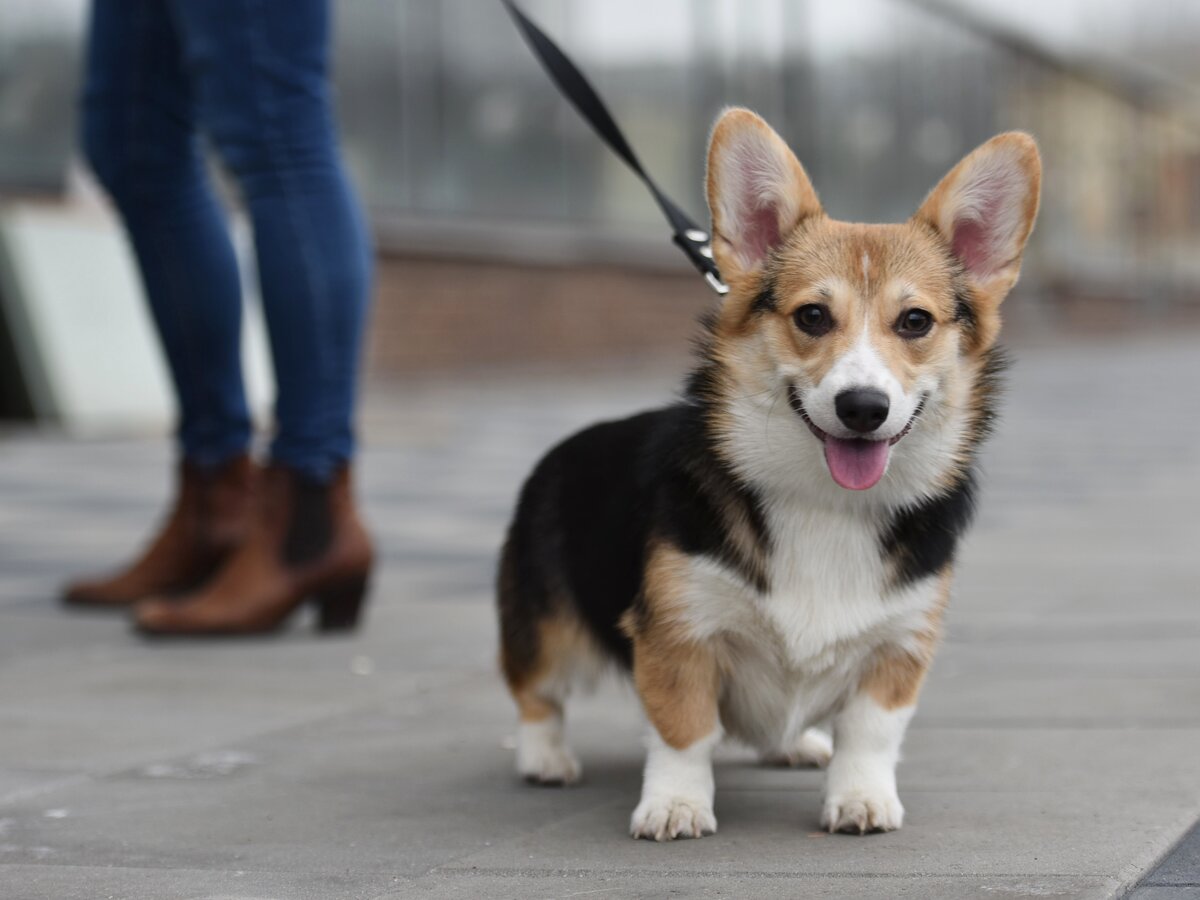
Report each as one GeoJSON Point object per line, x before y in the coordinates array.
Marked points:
{"type": "Point", "coordinates": [985, 209]}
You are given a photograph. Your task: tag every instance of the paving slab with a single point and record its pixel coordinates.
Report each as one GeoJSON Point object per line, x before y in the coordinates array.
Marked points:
{"type": "Point", "coordinates": [1166, 892]}
{"type": "Point", "coordinates": [1177, 876]}
{"type": "Point", "coordinates": [1182, 866]}
{"type": "Point", "coordinates": [22, 882]}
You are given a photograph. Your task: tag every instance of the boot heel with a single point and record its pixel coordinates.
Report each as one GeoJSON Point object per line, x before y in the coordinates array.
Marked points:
{"type": "Point", "coordinates": [339, 607]}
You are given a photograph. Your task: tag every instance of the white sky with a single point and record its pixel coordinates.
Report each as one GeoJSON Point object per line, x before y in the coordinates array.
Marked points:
{"type": "Point", "coordinates": [635, 30]}
{"type": "Point", "coordinates": [639, 30]}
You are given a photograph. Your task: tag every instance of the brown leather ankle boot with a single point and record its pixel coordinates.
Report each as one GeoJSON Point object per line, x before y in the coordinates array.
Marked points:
{"type": "Point", "coordinates": [212, 515]}
{"type": "Point", "coordinates": [308, 544]}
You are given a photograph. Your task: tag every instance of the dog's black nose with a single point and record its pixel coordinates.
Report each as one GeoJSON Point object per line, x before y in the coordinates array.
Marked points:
{"type": "Point", "coordinates": [861, 409]}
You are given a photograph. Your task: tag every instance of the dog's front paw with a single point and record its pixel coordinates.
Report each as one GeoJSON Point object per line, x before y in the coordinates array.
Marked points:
{"type": "Point", "coordinates": [860, 811]}
{"type": "Point", "coordinates": [667, 818]}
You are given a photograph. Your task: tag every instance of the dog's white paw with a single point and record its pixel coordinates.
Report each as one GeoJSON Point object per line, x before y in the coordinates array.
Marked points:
{"type": "Point", "coordinates": [813, 749]}
{"type": "Point", "coordinates": [667, 818]}
{"type": "Point", "coordinates": [862, 810]}
{"type": "Point", "coordinates": [542, 757]}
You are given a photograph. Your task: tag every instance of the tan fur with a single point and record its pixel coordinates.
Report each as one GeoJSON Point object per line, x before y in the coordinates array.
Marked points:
{"type": "Point", "coordinates": [676, 677]}
{"type": "Point", "coordinates": [895, 677]}
{"type": "Point", "coordinates": [561, 640]}
{"type": "Point", "coordinates": [819, 263]}
{"type": "Point", "coordinates": [532, 707]}
{"type": "Point", "coordinates": [746, 542]}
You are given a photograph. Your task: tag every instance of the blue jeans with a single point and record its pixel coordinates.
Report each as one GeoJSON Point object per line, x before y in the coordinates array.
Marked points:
{"type": "Point", "coordinates": [252, 76]}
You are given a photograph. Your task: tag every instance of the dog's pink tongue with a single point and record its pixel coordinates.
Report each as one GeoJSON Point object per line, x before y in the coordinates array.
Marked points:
{"type": "Point", "coordinates": [856, 464]}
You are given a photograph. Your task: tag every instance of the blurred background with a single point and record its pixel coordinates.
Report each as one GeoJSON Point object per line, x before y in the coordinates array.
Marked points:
{"type": "Point", "coordinates": [510, 237]}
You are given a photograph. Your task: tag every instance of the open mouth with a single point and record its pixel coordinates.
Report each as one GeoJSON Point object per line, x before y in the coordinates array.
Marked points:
{"type": "Point", "coordinates": [855, 463]}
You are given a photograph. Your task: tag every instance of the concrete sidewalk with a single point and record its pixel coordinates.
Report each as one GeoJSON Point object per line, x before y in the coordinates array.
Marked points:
{"type": "Point", "coordinates": [1056, 753]}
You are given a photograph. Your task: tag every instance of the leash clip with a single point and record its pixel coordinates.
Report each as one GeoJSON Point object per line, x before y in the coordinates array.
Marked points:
{"type": "Point", "coordinates": [716, 284]}
{"type": "Point", "coordinates": [697, 244]}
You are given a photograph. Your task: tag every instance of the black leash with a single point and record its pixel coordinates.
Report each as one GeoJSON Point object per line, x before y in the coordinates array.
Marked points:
{"type": "Point", "coordinates": [688, 236]}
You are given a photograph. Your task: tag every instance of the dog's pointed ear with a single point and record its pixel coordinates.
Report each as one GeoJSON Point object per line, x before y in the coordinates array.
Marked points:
{"type": "Point", "coordinates": [984, 210]}
{"type": "Point", "coordinates": [757, 193]}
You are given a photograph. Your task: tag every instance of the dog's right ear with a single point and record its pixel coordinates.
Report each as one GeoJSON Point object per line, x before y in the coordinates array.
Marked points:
{"type": "Point", "coordinates": [757, 193]}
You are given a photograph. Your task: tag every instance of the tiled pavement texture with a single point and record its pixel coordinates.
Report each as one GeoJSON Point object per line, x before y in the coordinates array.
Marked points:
{"type": "Point", "coordinates": [1056, 752]}
{"type": "Point", "coordinates": [1177, 877]}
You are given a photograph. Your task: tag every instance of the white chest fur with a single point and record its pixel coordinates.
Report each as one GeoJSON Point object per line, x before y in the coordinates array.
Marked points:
{"type": "Point", "coordinates": [829, 588]}
{"type": "Point", "coordinates": [792, 655]}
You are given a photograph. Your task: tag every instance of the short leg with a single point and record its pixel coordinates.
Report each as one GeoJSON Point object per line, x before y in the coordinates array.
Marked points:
{"type": "Point", "coordinates": [812, 749]}
{"type": "Point", "coordinates": [539, 655]}
{"type": "Point", "coordinates": [677, 791]}
{"type": "Point", "coordinates": [860, 795]}
{"type": "Point", "coordinates": [542, 754]}
{"type": "Point", "coordinates": [677, 681]}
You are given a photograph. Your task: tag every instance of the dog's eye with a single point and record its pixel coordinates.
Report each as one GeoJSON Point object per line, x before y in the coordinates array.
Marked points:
{"type": "Point", "coordinates": [813, 318]}
{"type": "Point", "coordinates": [914, 323]}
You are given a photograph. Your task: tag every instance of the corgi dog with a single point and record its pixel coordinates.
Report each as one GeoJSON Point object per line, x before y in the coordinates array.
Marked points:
{"type": "Point", "coordinates": [771, 556]}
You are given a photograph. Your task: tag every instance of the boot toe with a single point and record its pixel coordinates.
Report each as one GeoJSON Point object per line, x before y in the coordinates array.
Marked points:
{"type": "Point", "coordinates": [95, 594]}
{"type": "Point", "coordinates": [165, 617]}
{"type": "Point", "coordinates": [156, 616]}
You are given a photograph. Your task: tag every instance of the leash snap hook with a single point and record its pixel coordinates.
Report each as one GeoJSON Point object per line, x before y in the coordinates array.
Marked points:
{"type": "Point", "coordinates": [697, 244]}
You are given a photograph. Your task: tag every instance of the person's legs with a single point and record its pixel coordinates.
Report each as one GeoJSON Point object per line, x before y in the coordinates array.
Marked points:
{"type": "Point", "coordinates": [261, 80]}
{"type": "Point", "coordinates": [260, 71]}
{"type": "Point", "coordinates": [139, 135]}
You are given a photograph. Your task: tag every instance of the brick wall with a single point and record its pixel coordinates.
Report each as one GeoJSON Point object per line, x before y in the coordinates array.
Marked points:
{"type": "Point", "coordinates": [437, 315]}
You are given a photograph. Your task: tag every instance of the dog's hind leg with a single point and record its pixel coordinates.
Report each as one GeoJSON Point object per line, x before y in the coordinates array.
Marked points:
{"type": "Point", "coordinates": [540, 652]}
{"type": "Point", "coordinates": [540, 683]}
{"type": "Point", "coordinates": [543, 756]}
